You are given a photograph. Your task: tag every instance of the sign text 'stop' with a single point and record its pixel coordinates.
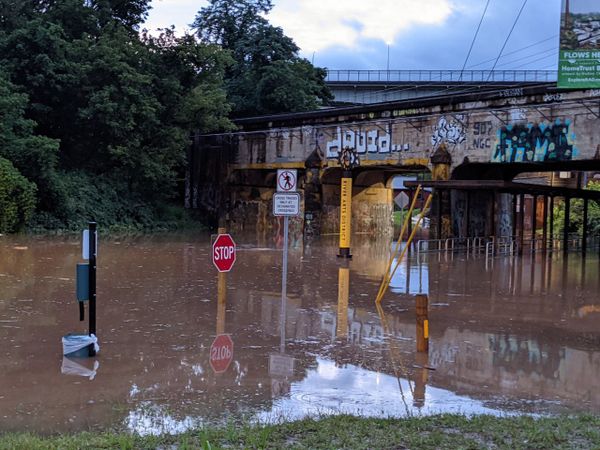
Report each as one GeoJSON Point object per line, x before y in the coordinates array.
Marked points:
{"type": "Point", "coordinates": [224, 253]}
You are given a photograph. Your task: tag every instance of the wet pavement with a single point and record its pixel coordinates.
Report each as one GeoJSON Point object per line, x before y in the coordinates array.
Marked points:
{"type": "Point", "coordinates": [508, 335]}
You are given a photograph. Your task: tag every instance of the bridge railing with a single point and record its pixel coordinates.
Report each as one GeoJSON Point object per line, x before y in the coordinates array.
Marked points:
{"type": "Point", "coordinates": [425, 76]}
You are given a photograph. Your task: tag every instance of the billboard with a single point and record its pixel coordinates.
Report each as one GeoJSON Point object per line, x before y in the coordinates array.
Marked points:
{"type": "Point", "coordinates": [579, 54]}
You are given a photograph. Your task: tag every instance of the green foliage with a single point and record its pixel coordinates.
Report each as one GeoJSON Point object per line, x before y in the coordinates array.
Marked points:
{"type": "Point", "coordinates": [35, 157]}
{"type": "Point", "coordinates": [91, 99]}
{"type": "Point", "coordinates": [576, 215]}
{"type": "Point", "coordinates": [17, 198]}
{"type": "Point", "coordinates": [267, 76]}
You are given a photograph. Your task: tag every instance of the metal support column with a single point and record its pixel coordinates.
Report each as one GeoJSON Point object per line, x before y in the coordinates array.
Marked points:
{"type": "Point", "coordinates": [533, 217]}
{"type": "Point", "coordinates": [585, 227]}
{"type": "Point", "coordinates": [567, 224]}
{"type": "Point", "coordinates": [551, 212]}
{"type": "Point", "coordinates": [439, 192]}
{"type": "Point", "coordinates": [545, 225]}
{"type": "Point", "coordinates": [468, 215]}
{"type": "Point", "coordinates": [521, 222]}
{"type": "Point", "coordinates": [514, 216]}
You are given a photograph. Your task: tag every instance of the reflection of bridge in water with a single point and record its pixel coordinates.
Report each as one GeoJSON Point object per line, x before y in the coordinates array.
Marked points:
{"type": "Point", "coordinates": [493, 337]}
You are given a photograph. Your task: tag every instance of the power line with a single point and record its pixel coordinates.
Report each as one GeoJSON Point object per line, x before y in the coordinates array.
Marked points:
{"type": "Point", "coordinates": [553, 49]}
{"type": "Point", "coordinates": [554, 55]}
{"type": "Point", "coordinates": [474, 38]}
{"type": "Point", "coordinates": [514, 51]}
{"type": "Point", "coordinates": [508, 37]}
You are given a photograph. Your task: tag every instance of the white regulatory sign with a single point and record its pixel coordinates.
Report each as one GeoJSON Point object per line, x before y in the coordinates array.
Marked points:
{"type": "Point", "coordinates": [286, 204]}
{"type": "Point", "coordinates": [287, 180]}
{"type": "Point", "coordinates": [85, 244]}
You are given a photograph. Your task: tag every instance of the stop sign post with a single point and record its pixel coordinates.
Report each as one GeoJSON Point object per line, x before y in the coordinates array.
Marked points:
{"type": "Point", "coordinates": [221, 353]}
{"type": "Point", "coordinates": [223, 255]}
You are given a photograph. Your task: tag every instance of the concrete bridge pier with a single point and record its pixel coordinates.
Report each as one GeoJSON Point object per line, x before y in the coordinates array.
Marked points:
{"type": "Point", "coordinates": [439, 220]}
{"type": "Point", "coordinates": [372, 202]}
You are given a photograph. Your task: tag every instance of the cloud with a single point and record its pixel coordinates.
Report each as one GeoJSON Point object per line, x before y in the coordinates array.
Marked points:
{"type": "Point", "coordinates": [180, 13]}
{"type": "Point", "coordinates": [316, 25]}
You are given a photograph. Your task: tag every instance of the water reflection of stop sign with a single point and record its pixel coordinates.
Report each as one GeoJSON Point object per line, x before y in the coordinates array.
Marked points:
{"type": "Point", "coordinates": [221, 353]}
{"type": "Point", "coordinates": [223, 253]}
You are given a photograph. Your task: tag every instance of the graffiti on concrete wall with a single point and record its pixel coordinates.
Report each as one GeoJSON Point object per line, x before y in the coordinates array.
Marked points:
{"type": "Point", "coordinates": [535, 142]}
{"type": "Point", "coordinates": [482, 134]}
{"type": "Point", "coordinates": [450, 131]}
{"type": "Point", "coordinates": [376, 140]}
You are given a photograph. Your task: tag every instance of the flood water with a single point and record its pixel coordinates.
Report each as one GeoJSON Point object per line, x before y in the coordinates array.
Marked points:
{"type": "Point", "coordinates": [513, 335]}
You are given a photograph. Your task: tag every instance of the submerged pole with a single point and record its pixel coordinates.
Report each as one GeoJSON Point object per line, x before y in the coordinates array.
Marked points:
{"type": "Point", "coordinates": [566, 225]}
{"type": "Point", "coordinates": [92, 285]}
{"type": "Point", "coordinates": [422, 323]}
{"type": "Point", "coordinates": [545, 225]}
{"type": "Point", "coordinates": [585, 227]}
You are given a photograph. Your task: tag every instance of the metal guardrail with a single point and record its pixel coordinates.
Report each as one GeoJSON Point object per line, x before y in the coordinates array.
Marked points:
{"type": "Point", "coordinates": [469, 245]}
{"type": "Point", "coordinates": [426, 76]}
{"type": "Point", "coordinates": [507, 245]}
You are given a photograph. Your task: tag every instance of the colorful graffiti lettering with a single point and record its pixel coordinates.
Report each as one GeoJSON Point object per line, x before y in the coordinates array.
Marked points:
{"type": "Point", "coordinates": [531, 142]}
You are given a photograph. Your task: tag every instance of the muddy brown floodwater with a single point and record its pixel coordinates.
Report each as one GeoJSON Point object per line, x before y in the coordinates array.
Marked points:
{"type": "Point", "coordinates": [513, 335]}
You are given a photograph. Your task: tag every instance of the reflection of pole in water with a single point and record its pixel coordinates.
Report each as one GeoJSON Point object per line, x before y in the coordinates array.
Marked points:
{"type": "Point", "coordinates": [544, 267]}
{"type": "Point", "coordinates": [343, 297]}
{"type": "Point", "coordinates": [532, 272]}
{"type": "Point", "coordinates": [550, 272]}
{"type": "Point", "coordinates": [393, 358]}
{"type": "Point", "coordinates": [422, 309]}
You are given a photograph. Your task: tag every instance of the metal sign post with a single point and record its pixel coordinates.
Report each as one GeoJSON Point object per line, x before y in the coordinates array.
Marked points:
{"type": "Point", "coordinates": [286, 203]}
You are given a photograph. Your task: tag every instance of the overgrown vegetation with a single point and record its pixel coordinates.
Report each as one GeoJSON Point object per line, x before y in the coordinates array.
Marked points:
{"type": "Point", "coordinates": [437, 432]}
{"type": "Point", "coordinates": [97, 113]}
{"type": "Point", "coordinates": [267, 75]}
{"type": "Point", "coordinates": [576, 216]}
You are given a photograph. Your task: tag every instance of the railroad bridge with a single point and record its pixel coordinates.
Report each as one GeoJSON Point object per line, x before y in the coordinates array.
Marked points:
{"type": "Point", "coordinates": [475, 150]}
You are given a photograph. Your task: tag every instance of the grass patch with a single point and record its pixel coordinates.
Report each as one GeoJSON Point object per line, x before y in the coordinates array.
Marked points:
{"type": "Point", "coordinates": [400, 215]}
{"type": "Point", "coordinates": [432, 432]}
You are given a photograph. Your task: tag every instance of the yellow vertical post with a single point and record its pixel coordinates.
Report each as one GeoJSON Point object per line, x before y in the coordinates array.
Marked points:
{"type": "Point", "coordinates": [345, 214]}
{"type": "Point", "coordinates": [221, 295]}
{"type": "Point", "coordinates": [342, 306]}
{"type": "Point", "coordinates": [422, 323]}
{"type": "Point", "coordinates": [420, 379]}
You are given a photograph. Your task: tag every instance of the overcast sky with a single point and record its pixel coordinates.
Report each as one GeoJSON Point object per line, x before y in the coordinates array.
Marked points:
{"type": "Point", "coordinates": [421, 34]}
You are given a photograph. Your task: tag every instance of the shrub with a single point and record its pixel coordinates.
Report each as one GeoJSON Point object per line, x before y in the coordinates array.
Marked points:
{"type": "Point", "coordinates": [17, 198]}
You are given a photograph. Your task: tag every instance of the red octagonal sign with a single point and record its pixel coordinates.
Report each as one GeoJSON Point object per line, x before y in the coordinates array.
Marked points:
{"type": "Point", "coordinates": [221, 353]}
{"type": "Point", "coordinates": [223, 255]}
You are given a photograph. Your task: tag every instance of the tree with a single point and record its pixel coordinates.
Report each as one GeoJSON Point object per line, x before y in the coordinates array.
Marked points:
{"type": "Point", "coordinates": [95, 107]}
{"type": "Point", "coordinates": [33, 156]}
{"type": "Point", "coordinates": [17, 198]}
{"type": "Point", "coordinates": [267, 76]}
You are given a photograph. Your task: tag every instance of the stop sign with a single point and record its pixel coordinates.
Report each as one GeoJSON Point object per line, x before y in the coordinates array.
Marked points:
{"type": "Point", "coordinates": [223, 253]}
{"type": "Point", "coordinates": [221, 353]}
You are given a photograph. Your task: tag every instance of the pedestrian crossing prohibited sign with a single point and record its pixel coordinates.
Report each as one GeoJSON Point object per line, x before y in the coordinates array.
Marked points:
{"type": "Point", "coordinates": [287, 180]}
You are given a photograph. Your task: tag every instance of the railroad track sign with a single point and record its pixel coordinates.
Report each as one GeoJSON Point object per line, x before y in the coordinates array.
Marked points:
{"type": "Point", "coordinates": [224, 251]}
{"type": "Point", "coordinates": [221, 353]}
{"type": "Point", "coordinates": [286, 204]}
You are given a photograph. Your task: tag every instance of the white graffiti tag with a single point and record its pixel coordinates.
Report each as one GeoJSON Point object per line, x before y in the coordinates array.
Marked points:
{"type": "Point", "coordinates": [452, 132]}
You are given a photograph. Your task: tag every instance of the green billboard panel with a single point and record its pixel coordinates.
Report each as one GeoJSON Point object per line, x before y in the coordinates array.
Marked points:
{"type": "Point", "coordinates": [579, 58]}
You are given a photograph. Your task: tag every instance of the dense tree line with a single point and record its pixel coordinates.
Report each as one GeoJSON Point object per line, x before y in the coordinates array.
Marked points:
{"type": "Point", "coordinates": [96, 113]}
